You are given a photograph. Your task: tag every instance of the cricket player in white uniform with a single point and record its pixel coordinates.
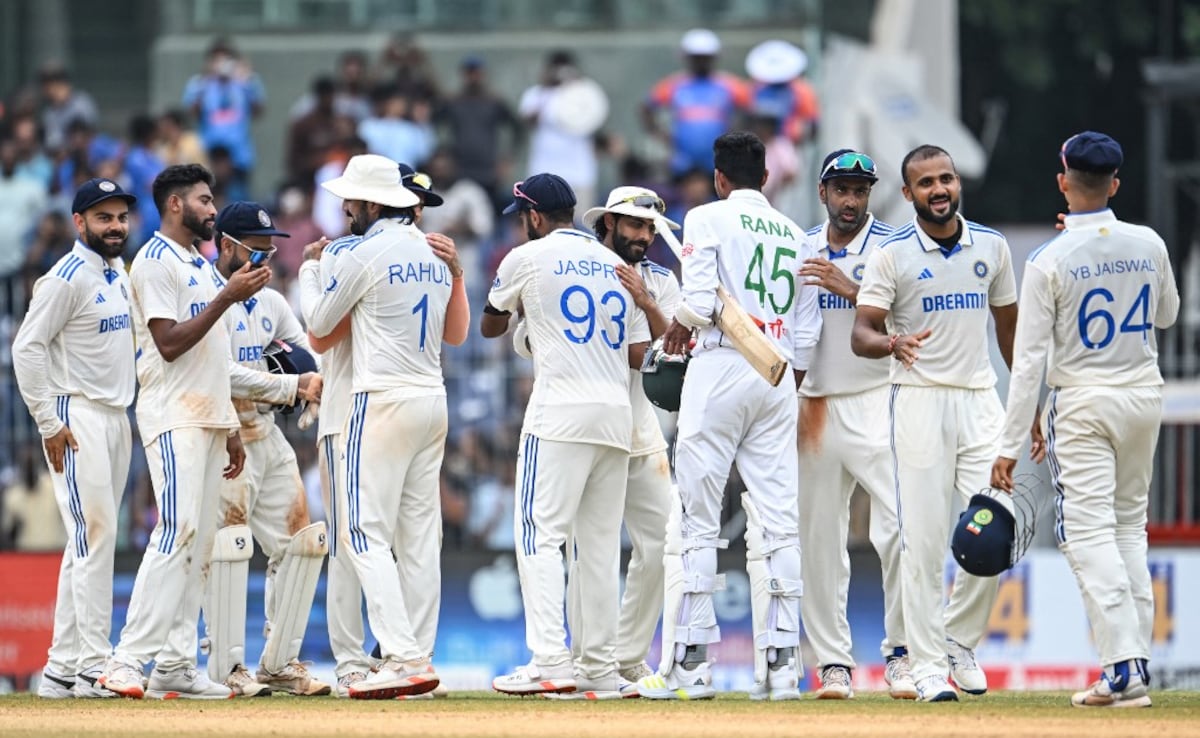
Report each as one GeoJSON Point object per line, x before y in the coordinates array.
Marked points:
{"type": "Point", "coordinates": [844, 439]}
{"type": "Point", "coordinates": [396, 291]}
{"type": "Point", "coordinates": [729, 413]}
{"type": "Point", "coordinates": [938, 279]}
{"type": "Point", "coordinates": [190, 430]}
{"type": "Point", "coordinates": [1090, 301]}
{"type": "Point", "coordinates": [268, 499]}
{"type": "Point", "coordinates": [585, 334]}
{"type": "Point", "coordinates": [73, 361]}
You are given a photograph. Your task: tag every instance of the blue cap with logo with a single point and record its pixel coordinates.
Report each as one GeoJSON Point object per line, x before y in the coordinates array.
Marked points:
{"type": "Point", "coordinates": [1092, 152]}
{"type": "Point", "coordinates": [95, 191]}
{"type": "Point", "coordinates": [243, 218]}
{"type": "Point", "coordinates": [544, 193]}
{"type": "Point", "coordinates": [420, 183]}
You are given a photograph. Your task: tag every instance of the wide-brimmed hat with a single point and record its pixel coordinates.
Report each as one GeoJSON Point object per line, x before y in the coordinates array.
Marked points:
{"type": "Point", "coordinates": [775, 62]}
{"type": "Point", "coordinates": [638, 202]}
{"type": "Point", "coordinates": [373, 178]}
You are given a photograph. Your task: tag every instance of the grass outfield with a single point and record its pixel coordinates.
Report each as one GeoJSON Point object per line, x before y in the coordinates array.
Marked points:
{"type": "Point", "coordinates": [1006, 714]}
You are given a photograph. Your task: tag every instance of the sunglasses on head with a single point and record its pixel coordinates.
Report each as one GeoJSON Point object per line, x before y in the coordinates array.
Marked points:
{"type": "Point", "coordinates": [849, 162]}
{"type": "Point", "coordinates": [645, 201]}
{"type": "Point", "coordinates": [518, 193]}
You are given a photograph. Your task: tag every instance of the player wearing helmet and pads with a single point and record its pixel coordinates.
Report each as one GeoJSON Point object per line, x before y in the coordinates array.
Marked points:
{"type": "Point", "coordinates": [73, 361]}
{"type": "Point", "coordinates": [843, 438]}
{"type": "Point", "coordinates": [585, 333]}
{"type": "Point", "coordinates": [938, 279]}
{"type": "Point", "coordinates": [729, 413]}
{"type": "Point", "coordinates": [1090, 301]}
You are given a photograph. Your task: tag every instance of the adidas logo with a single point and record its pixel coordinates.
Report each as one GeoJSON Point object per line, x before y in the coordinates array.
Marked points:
{"type": "Point", "coordinates": [192, 282]}
{"type": "Point", "coordinates": [100, 299]}
{"type": "Point", "coordinates": [925, 274]}
{"type": "Point", "coordinates": [241, 326]}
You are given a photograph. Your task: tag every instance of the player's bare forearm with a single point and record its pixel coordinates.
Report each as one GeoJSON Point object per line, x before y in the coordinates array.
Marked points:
{"type": "Point", "coordinates": [869, 336]}
{"type": "Point", "coordinates": [1006, 330]}
{"type": "Point", "coordinates": [175, 339]}
{"type": "Point", "coordinates": [494, 323]}
{"type": "Point", "coordinates": [637, 353]}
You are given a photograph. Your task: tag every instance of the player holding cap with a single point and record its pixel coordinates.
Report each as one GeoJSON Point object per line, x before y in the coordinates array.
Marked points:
{"type": "Point", "coordinates": [1090, 301]}
{"type": "Point", "coordinates": [939, 278]}
{"type": "Point", "coordinates": [585, 333]}
{"type": "Point", "coordinates": [73, 361]}
{"type": "Point", "coordinates": [843, 438]}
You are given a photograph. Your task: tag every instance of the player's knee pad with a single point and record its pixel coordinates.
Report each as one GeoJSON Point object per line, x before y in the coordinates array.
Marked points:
{"type": "Point", "coordinates": [225, 611]}
{"type": "Point", "coordinates": [295, 586]}
{"type": "Point", "coordinates": [773, 565]}
{"type": "Point", "coordinates": [690, 575]}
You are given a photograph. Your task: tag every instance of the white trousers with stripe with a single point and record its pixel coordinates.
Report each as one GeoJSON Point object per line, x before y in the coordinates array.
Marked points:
{"type": "Point", "coordinates": [88, 492]}
{"type": "Point", "coordinates": [343, 594]}
{"type": "Point", "coordinates": [570, 489]}
{"type": "Point", "coordinates": [944, 441]}
{"type": "Point", "coordinates": [1100, 443]}
{"type": "Point", "coordinates": [186, 466]}
{"type": "Point", "coordinates": [393, 457]}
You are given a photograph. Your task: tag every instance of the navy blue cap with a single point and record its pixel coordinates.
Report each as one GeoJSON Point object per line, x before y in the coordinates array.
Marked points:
{"type": "Point", "coordinates": [544, 193]}
{"type": "Point", "coordinates": [982, 543]}
{"type": "Point", "coordinates": [96, 191]}
{"type": "Point", "coordinates": [420, 183]}
{"type": "Point", "coordinates": [243, 218]}
{"type": "Point", "coordinates": [1092, 152]}
{"type": "Point", "coordinates": [472, 61]}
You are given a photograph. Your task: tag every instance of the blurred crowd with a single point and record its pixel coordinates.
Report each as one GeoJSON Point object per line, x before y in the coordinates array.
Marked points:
{"type": "Point", "coordinates": [468, 139]}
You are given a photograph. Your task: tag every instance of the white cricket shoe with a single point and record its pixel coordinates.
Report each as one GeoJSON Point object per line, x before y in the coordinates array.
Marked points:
{"type": "Point", "coordinates": [441, 690]}
{"type": "Point", "coordinates": [394, 678]}
{"type": "Point", "coordinates": [607, 688]}
{"type": "Point", "coordinates": [898, 675]}
{"type": "Point", "coordinates": [294, 679]}
{"type": "Point", "coordinates": [186, 683]}
{"type": "Point", "coordinates": [964, 670]}
{"type": "Point", "coordinates": [835, 683]}
{"type": "Point", "coordinates": [55, 686]}
{"type": "Point", "coordinates": [935, 688]}
{"type": "Point", "coordinates": [124, 679]}
{"type": "Point", "coordinates": [782, 684]}
{"type": "Point", "coordinates": [243, 683]}
{"type": "Point", "coordinates": [534, 679]}
{"type": "Point", "coordinates": [348, 680]}
{"type": "Point", "coordinates": [1104, 691]}
{"type": "Point", "coordinates": [680, 684]}
{"type": "Point", "coordinates": [88, 687]}
{"type": "Point", "coordinates": [629, 677]}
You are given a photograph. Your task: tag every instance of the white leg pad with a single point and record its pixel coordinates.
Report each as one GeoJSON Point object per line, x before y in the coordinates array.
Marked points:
{"type": "Point", "coordinates": [773, 565]}
{"type": "Point", "coordinates": [690, 575]}
{"type": "Point", "coordinates": [295, 586]}
{"type": "Point", "coordinates": [225, 613]}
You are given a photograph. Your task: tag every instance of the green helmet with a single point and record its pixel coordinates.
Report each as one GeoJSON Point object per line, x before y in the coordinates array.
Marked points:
{"type": "Point", "coordinates": [662, 378]}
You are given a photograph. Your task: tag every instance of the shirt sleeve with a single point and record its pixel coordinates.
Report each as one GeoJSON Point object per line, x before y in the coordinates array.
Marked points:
{"type": "Point", "coordinates": [1168, 296]}
{"type": "Point", "coordinates": [510, 280]}
{"type": "Point", "coordinates": [156, 290]}
{"type": "Point", "coordinates": [262, 386]}
{"type": "Point", "coordinates": [806, 321]}
{"type": "Point", "coordinates": [1035, 325]}
{"type": "Point", "coordinates": [52, 305]}
{"type": "Point", "coordinates": [669, 296]}
{"type": "Point", "coordinates": [324, 306]}
{"type": "Point", "coordinates": [879, 281]}
{"type": "Point", "coordinates": [1003, 290]}
{"type": "Point", "coordinates": [700, 280]}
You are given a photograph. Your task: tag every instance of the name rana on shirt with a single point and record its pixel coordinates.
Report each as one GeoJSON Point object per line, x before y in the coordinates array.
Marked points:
{"type": "Point", "coordinates": [769, 227]}
{"type": "Point", "coordinates": [586, 268]}
{"type": "Point", "coordinates": [421, 271]}
{"type": "Point", "coordinates": [1120, 266]}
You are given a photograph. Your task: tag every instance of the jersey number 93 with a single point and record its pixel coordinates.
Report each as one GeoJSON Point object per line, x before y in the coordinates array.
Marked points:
{"type": "Point", "coordinates": [579, 307]}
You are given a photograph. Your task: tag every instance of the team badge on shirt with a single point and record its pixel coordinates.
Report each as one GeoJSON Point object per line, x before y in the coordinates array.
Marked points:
{"type": "Point", "coordinates": [981, 269]}
{"type": "Point", "coordinates": [267, 324]}
{"type": "Point", "coordinates": [857, 272]}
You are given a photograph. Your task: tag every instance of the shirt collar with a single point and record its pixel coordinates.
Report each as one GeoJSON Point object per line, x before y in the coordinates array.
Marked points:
{"type": "Point", "coordinates": [748, 196]}
{"type": "Point", "coordinates": [384, 224]}
{"type": "Point", "coordinates": [1089, 218]}
{"type": "Point", "coordinates": [187, 254]}
{"type": "Point", "coordinates": [856, 245]}
{"type": "Point", "coordinates": [927, 242]}
{"type": "Point", "coordinates": [95, 260]}
{"type": "Point", "coordinates": [575, 232]}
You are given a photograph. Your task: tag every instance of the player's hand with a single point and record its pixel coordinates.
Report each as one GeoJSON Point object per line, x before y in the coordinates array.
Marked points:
{"type": "Point", "coordinates": [822, 273]}
{"type": "Point", "coordinates": [56, 447]}
{"type": "Point", "coordinates": [677, 339]}
{"type": "Point", "coordinates": [309, 387]}
{"type": "Point", "coordinates": [1061, 225]}
{"type": "Point", "coordinates": [907, 346]}
{"type": "Point", "coordinates": [1037, 451]}
{"type": "Point", "coordinates": [237, 456]}
{"type": "Point", "coordinates": [633, 282]}
{"type": "Point", "coordinates": [1002, 474]}
{"type": "Point", "coordinates": [245, 282]}
{"type": "Point", "coordinates": [443, 247]}
{"type": "Point", "coordinates": [315, 249]}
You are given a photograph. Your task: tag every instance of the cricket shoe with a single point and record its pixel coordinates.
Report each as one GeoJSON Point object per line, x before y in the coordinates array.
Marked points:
{"type": "Point", "coordinates": [782, 684]}
{"type": "Point", "coordinates": [124, 679]}
{"type": "Point", "coordinates": [243, 683]}
{"type": "Point", "coordinates": [1116, 687]}
{"type": "Point", "coordinates": [936, 688]}
{"type": "Point", "coordinates": [681, 684]}
{"type": "Point", "coordinates": [56, 686]}
{"type": "Point", "coordinates": [348, 680]}
{"type": "Point", "coordinates": [186, 683]}
{"type": "Point", "coordinates": [604, 688]}
{"type": "Point", "coordinates": [88, 687]}
{"type": "Point", "coordinates": [964, 669]}
{"type": "Point", "coordinates": [835, 683]}
{"type": "Point", "coordinates": [534, 679]}
{"type": "Point", "coordinates": [293, 679]}
{"type": "Point", "coordinates": [898, 675]}
{"type": "Point", "coordinates": [629, 676]}
{"type": "Point", "coordinates": [394, 678]}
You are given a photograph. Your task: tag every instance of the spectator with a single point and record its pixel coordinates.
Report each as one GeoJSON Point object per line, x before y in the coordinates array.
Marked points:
{"type": "Point", "coordinates": [311, 136]}
{"type": "Point", "coordinates": [230, 186]}
{"type": "Point", "coordinates": [783, 165]}
{"type": "Point", "coordinates": [22, 201]}
{"type": "Point", "coordinates": [400, 126]}
{"type": "Point", "coordinates": [176, 143]}
{"type": "Point", "coordinates": [85, 152]}
{"type": "Point", "coordinates": [225, 99]}
{"type": "Point", "coordinates": [490, 514]}
{"type": "Point", "coordinates": [780, 90]}
{"type": "Point", "coordinates": [474, 120]}
{"type": "Point", "coordinates": [327, 208]}
{"type": "Point", "coordinates": [406, 65]}
{"type": "Point", "coordinates": [142, 165]}
{"type": "Point", "coordinates": [351, 99]}
{"type": "Point", "coordinates": [63, 104]}
{"type": "Point", "coordinates": [466, 215]}
{"type": "Point", "coordinates": [52, 239]}
{"type": "Point", "coordinates": [31, 520]}
{"type": "Point", "coordinates": [32, 161]}
{"type": "Point", "coordinates": [701, 102]}
{"type": "Point", "coordinates": [294, 215]}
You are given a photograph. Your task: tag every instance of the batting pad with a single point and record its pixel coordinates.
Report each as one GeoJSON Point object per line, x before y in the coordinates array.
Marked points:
{"type": "Point", "coordinates": [773, 565]}
{"type": "Point", "coordinates": [225, 614]}
{"type": "Point", "coordinates": [295, 586]}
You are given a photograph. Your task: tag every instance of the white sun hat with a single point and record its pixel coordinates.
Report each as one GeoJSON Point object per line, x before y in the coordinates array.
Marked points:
{"type": "Point", "coordinates": [700, 42]}
{"type": "Point", "coordinates": [774, 62]}
{"type": "Point", "coordinates": [373, 178]}
{"type": "Point", "coordinates": [638, 202]}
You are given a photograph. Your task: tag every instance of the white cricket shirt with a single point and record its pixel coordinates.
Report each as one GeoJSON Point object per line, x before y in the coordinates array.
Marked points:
{"type": "Point", "coordinates": [949, 292]}
{"type": "Point", "coordinates": [647, 433]}
{"type": "Point", "coordinates": [76, 338]}
{"type": "Point", "coordinates": [1090, 301]}
{"type": "Point", "coordinates": [336, 363]}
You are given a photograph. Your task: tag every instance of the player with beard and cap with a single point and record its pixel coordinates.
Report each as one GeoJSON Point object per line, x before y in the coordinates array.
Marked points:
{"type": "Point", "coordinates": [73, 360]}
{"type": "Point", "coordinates": [935, 281]}
{"type": "Point", "coordinates": [190, 430]}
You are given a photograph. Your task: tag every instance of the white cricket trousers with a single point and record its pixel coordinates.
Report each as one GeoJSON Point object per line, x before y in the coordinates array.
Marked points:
{"type": "Point", "coordinates": [843, 442]}
{"type": "Point", "coordinates": [944, 441]}
{"type": "Point", "coordinates": [1100, 444]}
{"type": "Point", "coordinates": [343, 595]}
{"type": "Point", "coordinates": [186, 466]}
{"type": "Point", "coordinates": [394, 447]}
{"type": "Point", "coordinates": [562, 489]}
{"type": "Point", "coordinates": [88, 492]}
